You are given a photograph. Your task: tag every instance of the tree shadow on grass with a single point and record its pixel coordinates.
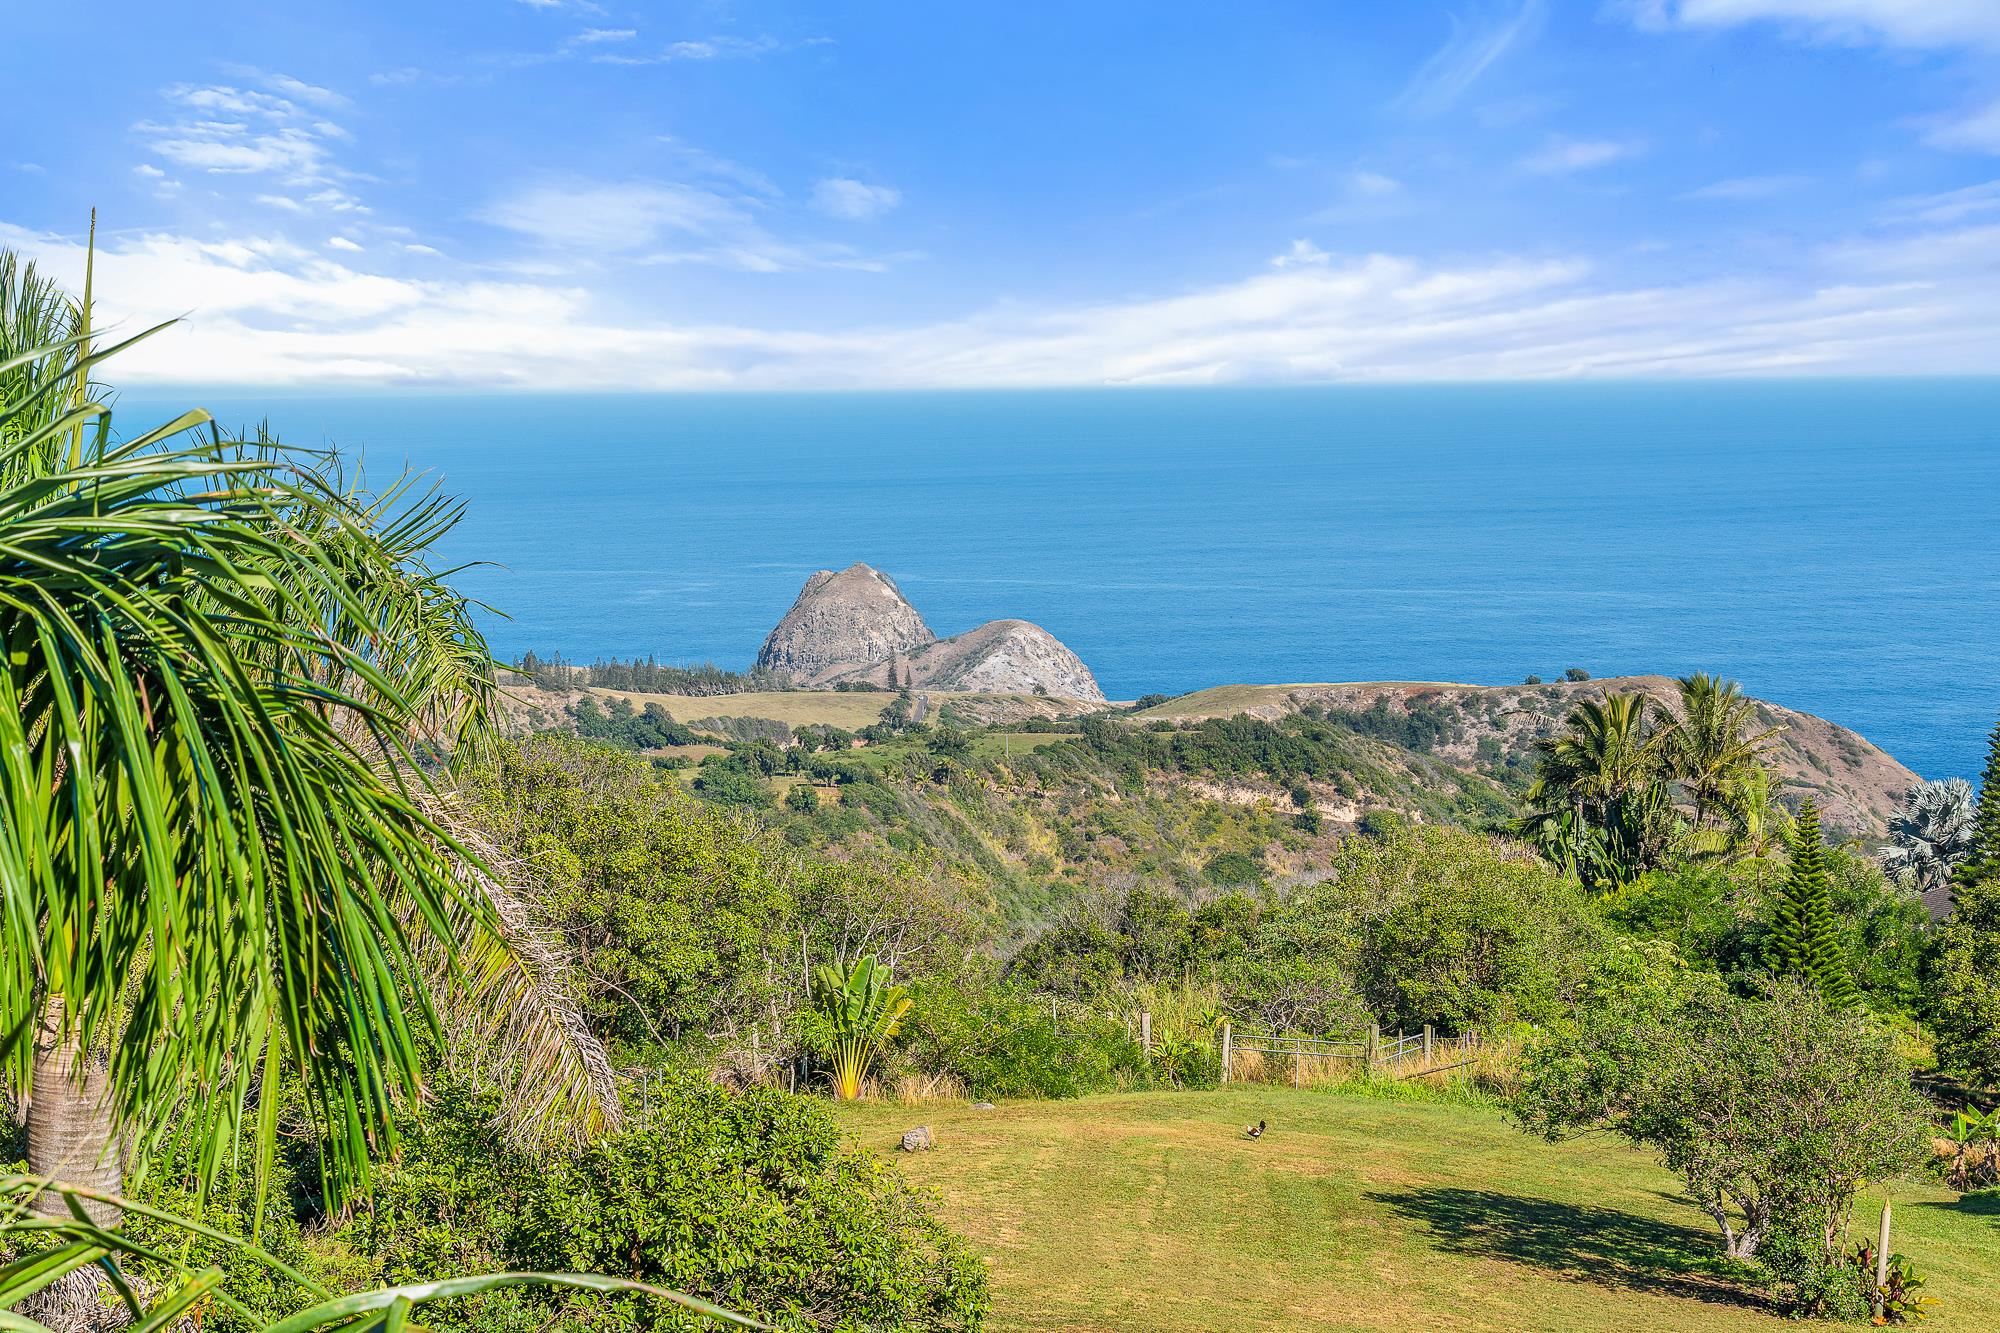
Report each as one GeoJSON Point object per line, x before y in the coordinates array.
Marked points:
{"type": "Point", "coordinates": [1982, 1203]}
{"type": "Point", "coordinates": [1582, 1243]}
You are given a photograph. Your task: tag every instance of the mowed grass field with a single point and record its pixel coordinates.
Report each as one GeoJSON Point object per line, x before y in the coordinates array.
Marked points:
{"type": "Point", "coordinates": [1150, 1211]}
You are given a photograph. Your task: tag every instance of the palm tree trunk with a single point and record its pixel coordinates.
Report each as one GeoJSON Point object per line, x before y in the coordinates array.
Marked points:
{"type": "Point", "coordinates": [71, 1134]}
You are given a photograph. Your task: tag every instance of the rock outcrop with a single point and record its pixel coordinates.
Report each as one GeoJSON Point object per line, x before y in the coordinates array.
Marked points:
{"type": "Point", "coordinates": [1003, 657]}
{"type": "Point", "coordinates": [843, 623]}
{"type": "Point", "coordinates": [856, 626]}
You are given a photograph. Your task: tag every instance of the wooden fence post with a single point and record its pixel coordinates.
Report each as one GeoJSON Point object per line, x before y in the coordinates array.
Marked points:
{"type": "Point", "coordinates": [1146, 1031]}
{"type": "Point", "coordinates": [1882, 1262]}
{"type": "Point", "coordinates": [1374, 1044]}
{"type": "Point", "coordinates": [1428, 1038]}
{"type": "Point", "coordinates": [1225, 1052]}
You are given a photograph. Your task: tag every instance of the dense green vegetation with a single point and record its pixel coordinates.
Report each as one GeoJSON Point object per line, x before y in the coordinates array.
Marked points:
{"type": "Point", "coordinates": [298, 948]}
{"type": "Point", "coordinates": [644, 676]}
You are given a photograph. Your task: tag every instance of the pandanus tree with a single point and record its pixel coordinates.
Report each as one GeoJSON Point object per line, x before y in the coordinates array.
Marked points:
{"type": "Point", "coordinates": [861, 1008]}
{"type": "Point", "coordinates": [226, 859]}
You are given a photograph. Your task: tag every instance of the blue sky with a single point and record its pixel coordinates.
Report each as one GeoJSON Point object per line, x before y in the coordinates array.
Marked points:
{"type": "Point", "coordinates": [560, 194]}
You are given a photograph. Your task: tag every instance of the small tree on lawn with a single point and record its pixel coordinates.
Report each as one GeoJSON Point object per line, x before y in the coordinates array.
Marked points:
{"type": "Point", "coordinates": [1772, 1110]}
{"type": "Point", "coordinates": [1804, 945]}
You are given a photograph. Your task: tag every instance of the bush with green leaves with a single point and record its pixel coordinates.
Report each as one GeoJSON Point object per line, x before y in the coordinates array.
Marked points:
{"type": "Point", "coordinates": [1772, 1110]}
{"type": "Point", "coordinates": [1440, 926]}
{"type": "Point", "coordinates": [751, 1200]}
{"type": "Point", "coordinates": [1001, 1040]}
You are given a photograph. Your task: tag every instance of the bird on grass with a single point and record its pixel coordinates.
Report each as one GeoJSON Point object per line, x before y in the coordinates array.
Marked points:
{"type": "Point", "coordinates": [1255, 1131]}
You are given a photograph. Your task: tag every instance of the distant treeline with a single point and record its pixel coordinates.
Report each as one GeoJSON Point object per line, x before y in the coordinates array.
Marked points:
{"type": "Point", "coordinates": [646, 677]}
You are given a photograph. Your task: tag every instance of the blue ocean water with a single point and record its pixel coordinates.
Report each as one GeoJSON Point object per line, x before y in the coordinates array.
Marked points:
{"type": "Point", "coordinates": [1833, 545]}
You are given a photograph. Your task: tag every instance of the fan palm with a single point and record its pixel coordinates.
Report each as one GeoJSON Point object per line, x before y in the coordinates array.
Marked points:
{"type": "Point", "coordinates": [220, 856]}
{"type": "Point", "coordinates": [1933, 834]}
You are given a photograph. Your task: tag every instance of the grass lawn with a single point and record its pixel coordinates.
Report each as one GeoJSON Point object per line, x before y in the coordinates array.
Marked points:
{"type": "Point", "coordinates": [1150, 1211]}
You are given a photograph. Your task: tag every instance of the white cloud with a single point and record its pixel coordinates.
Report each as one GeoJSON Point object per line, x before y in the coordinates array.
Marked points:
{"type": "Point", "coordinates": [663, 223]}
{"type": "Point", "coordinates": [597, 36]}
{"type": "Point", "coordinates": [1302, 252]}
{"type": "Point", "coordinates": [1975, 132]}
{"type": "Point", "coordinates": [1373, 185]}
{"type": "Point", "coordinates": [427, 250]}
{"type": "Point", "coordinates": [148, 170]}
{"type": "Point", "coordinates": [853, 200]}
{"type": "Point", "coordinates": [1467, 53]}
{"type": "Point", "coordinates": [342, 243]}
{"type": "Point", "coordinates": [1748, 187]}
{"type": "Point", "coordinates": [284, 203]}
{"type": "Point", "coordinates": [1906, 298]}
{"type": "Point", "coordinates": [613, 217]}
{"type": "Point", "coordinates": [1911, 23]}
{"type": "Point", "coordinates": [300, 90]}
{"type": "Point", "coordinates": [1563, 156]}
{"type": "Point", "coordinates": [1949, 208]}
{"type": "Point", "coordinates": [227, 130]}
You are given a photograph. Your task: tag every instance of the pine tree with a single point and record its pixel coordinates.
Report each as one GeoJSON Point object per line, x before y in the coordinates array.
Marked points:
{"type": "Point", "coordinates": [1984, 863]}
{"type": "Point", "coordinates": [1803, 944]}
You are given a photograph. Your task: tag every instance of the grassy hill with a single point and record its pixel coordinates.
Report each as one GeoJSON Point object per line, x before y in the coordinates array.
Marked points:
{"type": "Point", "coordinates": [1152, 1212]}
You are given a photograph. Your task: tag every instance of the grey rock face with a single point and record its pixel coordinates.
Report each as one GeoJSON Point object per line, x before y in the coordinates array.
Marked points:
{"type": "Point", "coordinates": [917, 1140]}
{"type": "Point", "coordinates": [843, 622]}
{"type": "Point", "coordinates": [856, 626]}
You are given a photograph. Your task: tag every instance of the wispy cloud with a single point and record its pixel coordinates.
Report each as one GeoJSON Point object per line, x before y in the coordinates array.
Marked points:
{"type": "Point", "coordinates": [701, 49]}
{"type": "Point", "coordinates": [1950, 207]}
{"type": "Point", "coordinates": [1301, 252]}
{"type": "Point", "coordinates": [598, 36]}
{"type": "Point", "coordinates": [1976, 131]}
{"type": "Point", "coordinates": [1563, 156]}
{"type": "Point", "coordinates": [1474, 46]}
{"type": "Point", "coordinates": [853, 200]}
{"type": "Point", "coordinates": [236, 130]}
{"type": "Point", "coordinates": [662, 223]}
{"type": "Point", "coordinates": [343, 243]}
{"type": "Point", "coordinates": [1748, 187]}
{"type": "Point", "coordinates": [1905, 297]}
{"type": "Point", "coordinates": [1911, 23]}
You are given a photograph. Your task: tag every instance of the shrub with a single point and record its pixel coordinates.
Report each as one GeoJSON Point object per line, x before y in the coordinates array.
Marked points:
{"type": "Point", "coordinates": [1576, 675]}
{"type": "Point", "coordinates": [1001, 1040]}
{"type": "Point", "coordinates": [1445, 927]}
{"type": "Point", "coordinates": [802, 799]}
{"type": "Point", "coordinates": [749, 1200]}
{"type": "Point", "coordinates": [1772, 1110]}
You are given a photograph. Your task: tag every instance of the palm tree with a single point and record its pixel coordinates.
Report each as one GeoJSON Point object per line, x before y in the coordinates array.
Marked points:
{"type": "Point", "coordinates": [1599, 792]}
{"type": "Point", "coordinates": [223, 857]}
{"type": "Point", "coordinates": [1933, 836]}
{"type": "Point", "coordinates": [1711, 745]}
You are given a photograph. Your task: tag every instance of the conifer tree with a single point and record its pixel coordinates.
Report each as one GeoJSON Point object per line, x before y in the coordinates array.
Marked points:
{"type": "Point", "coordinates": [1963, 1006]}
{"type": "Point", "coordinates": [1984, 863]}
{"type": "Point", "coordinates": [1803, 943]}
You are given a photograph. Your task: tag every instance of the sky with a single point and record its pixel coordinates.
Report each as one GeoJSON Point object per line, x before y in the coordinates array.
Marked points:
{"type": "Point", "coordinates": [576, 195]}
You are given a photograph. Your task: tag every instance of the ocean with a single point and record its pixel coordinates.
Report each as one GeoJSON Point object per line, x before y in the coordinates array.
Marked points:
{"type": "Point", "coordinates": [1833, 545]}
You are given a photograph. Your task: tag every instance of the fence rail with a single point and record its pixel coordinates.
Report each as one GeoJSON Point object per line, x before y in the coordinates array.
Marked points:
{"type": "Point", "coordinates": [1372, 1050]}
